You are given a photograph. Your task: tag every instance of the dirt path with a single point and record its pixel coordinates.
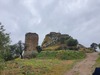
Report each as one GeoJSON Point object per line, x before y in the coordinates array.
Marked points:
{"type": "Point", "coordinates": [85, 67]}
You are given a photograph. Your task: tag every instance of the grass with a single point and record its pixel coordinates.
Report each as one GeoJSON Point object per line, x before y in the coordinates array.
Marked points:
{"type": "Point", "coordinates": [97, 62]}
{"type": "Point", "coordinates": [46, 63]}
{"type": "Point", "coordinates": [51, 48]}
{"type": "Point", "coordinates": [36, 67]}
{"type": "Point", "coordinates": [62, 55]}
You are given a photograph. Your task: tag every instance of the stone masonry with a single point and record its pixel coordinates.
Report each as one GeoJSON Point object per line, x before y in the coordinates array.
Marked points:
{"type": "Point", "coordinates": [31, 42]}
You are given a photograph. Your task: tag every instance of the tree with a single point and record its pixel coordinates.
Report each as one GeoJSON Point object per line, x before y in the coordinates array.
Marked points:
{"type": "Point", "coordinates": [17, 49]}
{"type": "Point", "coordinates": [94, 46]}
{"type": "Point", "coordinates": [4, 38]}
{"type": "Point", "coordinates": [20, 48]}
{"type": "Point", "coordinates": [4, 44]}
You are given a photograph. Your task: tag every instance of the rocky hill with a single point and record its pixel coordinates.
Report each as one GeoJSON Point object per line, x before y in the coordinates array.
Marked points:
{"type": "Point", "coordinates": [55, 41]}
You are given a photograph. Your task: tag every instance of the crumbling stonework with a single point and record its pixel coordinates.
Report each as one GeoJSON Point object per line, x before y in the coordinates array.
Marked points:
{"type": "Point", "coordinates": [31, 42]}
{"type": "Point", "coordinates": [58, 41]}
{"type": "Point", "coordinates": [54, 39]}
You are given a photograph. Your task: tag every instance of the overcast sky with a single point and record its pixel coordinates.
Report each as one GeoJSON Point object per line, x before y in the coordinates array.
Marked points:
{"type": "Point", "coordinates": [78, 18]}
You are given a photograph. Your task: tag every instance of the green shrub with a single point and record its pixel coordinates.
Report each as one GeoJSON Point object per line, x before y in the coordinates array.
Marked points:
{"type": "Point", "coordinates": [6, 55]}
{"type": "Point", "coordinates": [72, 42]}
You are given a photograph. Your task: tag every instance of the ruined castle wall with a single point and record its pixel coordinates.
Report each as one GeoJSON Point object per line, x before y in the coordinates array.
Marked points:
{"type": "Point", "coordinates": [31, 42]}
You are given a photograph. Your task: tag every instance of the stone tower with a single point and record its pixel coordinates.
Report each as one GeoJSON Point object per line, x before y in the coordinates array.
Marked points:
{"type": "Point", "coordinates": [31, 41]}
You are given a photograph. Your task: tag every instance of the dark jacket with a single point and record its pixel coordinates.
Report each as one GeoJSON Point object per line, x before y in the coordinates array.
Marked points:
{"type": "Point", "coordinates": [97, 71]}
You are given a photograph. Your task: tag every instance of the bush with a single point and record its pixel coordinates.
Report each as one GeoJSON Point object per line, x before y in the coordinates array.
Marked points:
{"type": "Point", "coordinates": [6, 55]}
{"type": "Point", "coordinates": [72, 42]}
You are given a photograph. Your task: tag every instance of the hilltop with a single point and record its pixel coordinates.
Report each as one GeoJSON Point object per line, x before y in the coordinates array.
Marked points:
{"type": "Point", "coordinates": [58, 41]}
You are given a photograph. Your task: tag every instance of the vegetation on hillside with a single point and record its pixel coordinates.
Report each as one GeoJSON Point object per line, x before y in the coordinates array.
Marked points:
{"type": "Point", "coordinates": [36, 67]}
{"type": "Point", "coordinates": [17, 49]}
{"type": "Point", "coordinates": [62, 55]}
{"type": "Point", "coordinates": [98, 61]}
{"type": "Point", "coordinates": [46, 63]}
{"type": "Point", "coordinates": [62, 41]}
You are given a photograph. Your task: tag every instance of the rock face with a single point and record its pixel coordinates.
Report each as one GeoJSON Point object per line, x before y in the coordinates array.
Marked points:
{"type": "Point", "coordinates": [31, 42]}
{"type": "Point", "coordinates": [55, 39]}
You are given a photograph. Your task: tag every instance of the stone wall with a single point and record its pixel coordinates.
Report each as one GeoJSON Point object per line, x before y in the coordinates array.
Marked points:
{"type": "Point", "coordinates": [31, 42]}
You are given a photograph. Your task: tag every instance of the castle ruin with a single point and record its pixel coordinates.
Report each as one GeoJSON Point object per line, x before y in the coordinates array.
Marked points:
{"type": "Point", "coordinates": [31, 42]}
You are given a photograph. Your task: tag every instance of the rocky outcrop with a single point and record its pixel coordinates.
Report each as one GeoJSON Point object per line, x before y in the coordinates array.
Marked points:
{"type": "Point", "coordinates": [31, 42]}
{"type": "Point", "coordinates": [54, 39]}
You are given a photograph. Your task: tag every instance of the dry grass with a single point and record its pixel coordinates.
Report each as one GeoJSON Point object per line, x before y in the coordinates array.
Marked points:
{"type": "Point", "coordinates": [97, 64]}
{"type": "Point", "coordinates": [51, 48]}
{"type": "Point", "coordinates": [37, 67]}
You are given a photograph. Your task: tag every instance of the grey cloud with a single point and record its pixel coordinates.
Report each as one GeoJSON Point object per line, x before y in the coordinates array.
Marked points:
{"type": "Point", "coordinates": [78, 18]}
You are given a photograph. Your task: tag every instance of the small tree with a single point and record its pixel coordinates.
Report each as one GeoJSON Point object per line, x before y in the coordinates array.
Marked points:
{"type": "Point", "coordinates": [94, 46]}
{"type": "Point", "coordinates": [17, 49]}
{"type": "Point", "coordinates": [20, 48]}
